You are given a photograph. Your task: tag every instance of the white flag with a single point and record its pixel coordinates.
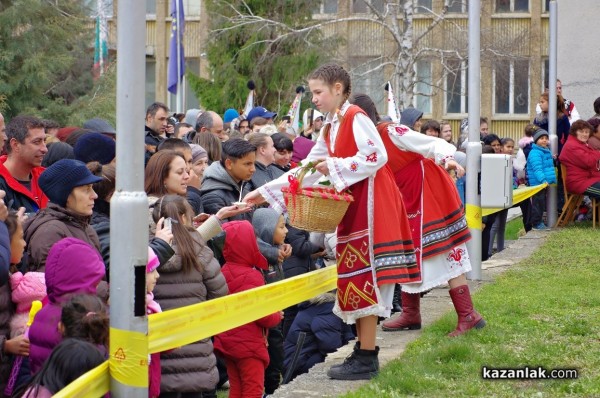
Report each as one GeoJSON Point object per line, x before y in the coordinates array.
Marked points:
{"type": "Point", "coordinates": [392, 110]}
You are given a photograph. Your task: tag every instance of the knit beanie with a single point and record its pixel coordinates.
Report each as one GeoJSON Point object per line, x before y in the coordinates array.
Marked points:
{"type": "Point", "coordinates": [59, 180]}
{"type": "Point", "coordinates": [409, 117]}
{"type": "Point", "coordinates": [229, 115]}
{"type": "Point", "coordinates": [539, 134]}
{"type": "Point", "coordinates": [191, 116]}
{"type": "Point", "coordinates": [99, 125]}
{"type": "Point", "coordinates": [153, 262]}
{"type": "Point", "coordinates": [56, 152]}
{"type": "Point", "coordinates": [95, 147]}
{"type": "Point", "coordinates": [198, 153]}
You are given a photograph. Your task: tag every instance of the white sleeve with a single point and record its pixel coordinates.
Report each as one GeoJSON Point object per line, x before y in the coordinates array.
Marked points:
{"type": "Point", "coordinates": [371, 156]}
{"type": "Point", "coordinates": [430, 147]}
{"type": "Point", "coordinates": [574, 114]}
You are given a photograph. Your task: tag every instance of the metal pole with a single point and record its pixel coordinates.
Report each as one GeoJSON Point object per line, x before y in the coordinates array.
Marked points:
{"type": "Point", "coordinates": [178, 39]}
{"type": "Point", "coordinates": [129, 214]}
{"type": "Point", "coordinates": [551, 198]}
{"type": "Point", "coordinates": [473, 198]}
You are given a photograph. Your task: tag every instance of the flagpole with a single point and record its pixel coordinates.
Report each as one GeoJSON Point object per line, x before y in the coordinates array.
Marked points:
{"type": "Point", "coordinates": [178, 39]}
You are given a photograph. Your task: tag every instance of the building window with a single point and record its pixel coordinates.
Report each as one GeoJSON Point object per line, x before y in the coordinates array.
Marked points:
{"type": "Point", "coordinates": [511, 87]}
{"type": "Point", "coordinates": [150, 80]}
{"type": "Point", "coordinates": [456, 87]}
{"type": "Point", "coordinates": [191, 8]}
{"type": "Point", "coordinates": [361, 7]}
{"type": "Point", "coordinates": [189, 97]}
{"type": "Point", "coordinates": [151, 7]}
{"type": "Point", "coordinates": [329, 7]}
{"type": "Point", "coordinates": [369, 79]}
{"type": "Point", "coordinates": [546, 5]}
{"type": "Point", "coordinates": [512, 5]}
{"type": "Point", "coordinates": [458, 6]}
{"type": "Point", "coordinates": [423, 89]}
{"type": "Point", "coordinates": [423, 6]}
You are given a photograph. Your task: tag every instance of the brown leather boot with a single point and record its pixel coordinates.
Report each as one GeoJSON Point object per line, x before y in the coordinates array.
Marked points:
{"type": "Point", "coordinates": [468, 318]}
{"type": "Point", "coordinates": [410, 318]}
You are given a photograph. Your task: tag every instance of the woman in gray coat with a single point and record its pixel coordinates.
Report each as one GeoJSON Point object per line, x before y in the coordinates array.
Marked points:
{"type": "Point", "coordinates": [191, 276]}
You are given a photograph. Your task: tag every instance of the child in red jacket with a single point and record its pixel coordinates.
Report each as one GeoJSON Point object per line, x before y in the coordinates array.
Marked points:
{"type": "Point", "coordinates": [245, 347]}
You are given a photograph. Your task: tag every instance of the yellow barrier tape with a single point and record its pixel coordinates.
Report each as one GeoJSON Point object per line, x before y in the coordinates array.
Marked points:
{"type": "Point", "coordinates": [93, 384]}
{"type": "Point", "coordinates": [519, 195]}
{"type": "Point", "coordinates": [473, 216]}
{"type": "Point", "coordinates": [129, 357]}
{"type": "Point", "coordinates": [181, 326]}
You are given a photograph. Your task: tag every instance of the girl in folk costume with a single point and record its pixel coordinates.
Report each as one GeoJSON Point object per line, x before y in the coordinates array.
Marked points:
{"type": "Point", "coordinates": [436, 218]}
{"type": "Point", "coordinates": [373, 254]}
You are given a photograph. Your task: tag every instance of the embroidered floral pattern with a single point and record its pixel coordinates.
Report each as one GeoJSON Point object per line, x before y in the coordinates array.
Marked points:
{"type": "Point", "coordinates": [354, 167]}
{"type": "Point", "coordinates": [401, 130]}
{"type": "Point", "coordinates": [370, 143]}
{"type": "Point", "coordinates": [455, 257]}
{"type": "Point", "coordinates": [372, 157]}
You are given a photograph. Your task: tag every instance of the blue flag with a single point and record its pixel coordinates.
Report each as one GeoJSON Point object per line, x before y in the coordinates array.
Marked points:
{"type": "Point", "coordinates": [176, 47]}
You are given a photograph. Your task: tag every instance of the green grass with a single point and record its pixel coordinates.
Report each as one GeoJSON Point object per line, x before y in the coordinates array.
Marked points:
{"type": "Point", "coordinates": [544, 312]}
{"type": "Point", "coordinates": [514, 229]}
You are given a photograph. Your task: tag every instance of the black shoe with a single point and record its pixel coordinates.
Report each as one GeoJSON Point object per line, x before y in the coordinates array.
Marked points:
{"type": "Point", "coordinates": [349, 358]}
{"type": "Point", "coordinates": [364, 365]}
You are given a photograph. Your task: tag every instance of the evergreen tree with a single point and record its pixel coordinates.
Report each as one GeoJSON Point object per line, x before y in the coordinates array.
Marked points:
{"type": "Point", "coordinates": [268, 53]}
{"type": "Point", "coordinates": [45, 57]}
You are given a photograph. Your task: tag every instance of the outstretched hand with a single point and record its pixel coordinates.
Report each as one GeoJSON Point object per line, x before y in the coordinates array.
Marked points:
{"type": "Point", "coordinates": [453, 165]}
{"type": "Point", "coordinates": [254, 198]}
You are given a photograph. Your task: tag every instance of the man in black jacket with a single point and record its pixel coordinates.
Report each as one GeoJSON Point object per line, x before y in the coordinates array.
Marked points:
{"type": "Point", "coordinates": [226, 182]}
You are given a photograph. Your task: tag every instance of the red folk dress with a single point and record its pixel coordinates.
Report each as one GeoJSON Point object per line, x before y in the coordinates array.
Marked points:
{"type": "Point", "coordinates": [435, 212]}
{"type": "Point", "coordinates": [372, 253]}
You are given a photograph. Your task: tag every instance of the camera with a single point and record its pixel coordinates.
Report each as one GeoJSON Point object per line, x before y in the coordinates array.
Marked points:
{"type": "Point", "coordinates": [172, 120]}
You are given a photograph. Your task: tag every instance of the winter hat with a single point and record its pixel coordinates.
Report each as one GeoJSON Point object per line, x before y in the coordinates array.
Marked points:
{"type": "Point", "coordinates": [153, 262]}
{"type": "Point", "coordinates": [191, 116]}
{"type": "Point", "coordinates": [409, 117]}
{"type": "Point", "coordinates": [64, 132]}
{"type": "Point", "coordinates": [198, 153]}
{"type": "Point", "coordinates": [229, 115]}
{"type": "Point", "coordinates": [72, 266]}
{"type": "Point", "coordinates": [56, 152]}
{"type": "Point", "coordinates": [27, 288]}
{"type": "Point", "coordinates": [260, 111]}
{"type": "Point", "coordinates": [99, 125]}
{"type": "Point", "coordinates": [316, 115]}
{"type": "Point", "coordinates": [269, 130]}
{"type": "Point", "coordinates": [539, 134]}
{"type": "Point", "coordinates": [58, 180]}
{"type": "Point", "coordinates": [95, 147]}
{"type": "Point", "coordinates": [264, 221]}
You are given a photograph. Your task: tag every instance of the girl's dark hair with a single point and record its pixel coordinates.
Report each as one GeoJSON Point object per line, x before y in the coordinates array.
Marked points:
{"type": "Point", "coordinates": [331, 74]}
{"type": "Point", "coordinates": [70, 359]}
{"type": "Point", "coordinates": [488, 139]}
{"type": "Point", "coordinates": [57, 151]}
{"type": "Point", "coordinates": [157, 171]}
{"type": "Point", "coordinates": [364, 102]}
{"type": "Point", "coordinates": [174, 206]}
{"type": "Point", "coordinates": [506, 140]}
{"type": "Point", "coordinates": [84, 317]}
{"type": "Point", "coordinates": [560, 103]}
{"type": "Point", "coordinates": [530, 130]}
{"type": "Point", "coordinates": [108, 173]}
{"type": "Point", "coordinates": [212, 145]}
{"type": "Point", "coordinates": [282, 143]}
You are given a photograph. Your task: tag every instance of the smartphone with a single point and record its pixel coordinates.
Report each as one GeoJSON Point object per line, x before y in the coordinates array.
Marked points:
{"type": "Point", "coordinates": [168, 223]}
{"type": "Point", "coordinates": [286, 118]}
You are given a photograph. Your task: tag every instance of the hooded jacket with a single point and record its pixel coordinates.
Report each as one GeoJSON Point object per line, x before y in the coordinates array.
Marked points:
{"type": "Point", "coordinates": [32, 200]}
{"type": "Point", "coordinates": [191, 368]}
{"type": "Point", "coordinates": [540, 166]}
{"type": "Point", "coordinates": [264, 222]}
{"type": "Point", "coordinates": [583, 165]}
{"type": "Point", "coordinates": [243, 263]}
{"type": "Point", "coordinates": [264, 174]}
{"type": "Point", "coordinates": [6, 304]}
{"type": "Point", "coordinates": [51, 225]}
{"type": "Point", "coordinates": [219, 190]}
{"type": "Point", "coordinates": [325, 333]}
{"type": "Point", "coordinates": [409, 117]}
{"type": "Point", "coordinates": [72, 267]}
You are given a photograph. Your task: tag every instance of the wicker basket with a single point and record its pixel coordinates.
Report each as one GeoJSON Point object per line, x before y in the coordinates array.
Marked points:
{"type": "Point", "coordinates": [314, 209]}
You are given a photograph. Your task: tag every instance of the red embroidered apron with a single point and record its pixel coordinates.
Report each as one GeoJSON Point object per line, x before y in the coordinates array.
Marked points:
{"type": "Point", "coordinates": [392, 247]}
{"type": "Point", "coordinates": [434, 209]}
